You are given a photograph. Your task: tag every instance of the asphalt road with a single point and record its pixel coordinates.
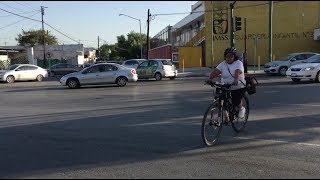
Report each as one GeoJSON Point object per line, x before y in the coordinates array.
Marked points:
{"type": "Point", "coordinates": [151, 129]}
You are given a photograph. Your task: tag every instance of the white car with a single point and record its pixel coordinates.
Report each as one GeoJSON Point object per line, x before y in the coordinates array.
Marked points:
{"type": "Point", "coordinates": [282, 65]}
{"type": "Point", "coordinates": [308, 70]}
{"type": "Point", "coordinates": [102, 73]}
{"type": "Point", "coordinates": [158, 69]}
{"type": "Point", "coordinates": [23, 72]}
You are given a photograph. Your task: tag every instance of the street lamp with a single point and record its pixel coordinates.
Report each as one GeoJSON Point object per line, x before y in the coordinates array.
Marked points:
{"type": "Point", "coordinates": [140, 31]}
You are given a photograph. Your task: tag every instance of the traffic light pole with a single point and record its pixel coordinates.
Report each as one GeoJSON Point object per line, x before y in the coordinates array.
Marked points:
{"type": "Point", "coordinates": [231, 24]}
{"type": "Point", "coordinates": [270, 29]}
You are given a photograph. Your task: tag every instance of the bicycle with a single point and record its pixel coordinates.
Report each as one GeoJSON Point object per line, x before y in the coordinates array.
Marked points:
{"type": "Point", "coordinates": [221, 106]}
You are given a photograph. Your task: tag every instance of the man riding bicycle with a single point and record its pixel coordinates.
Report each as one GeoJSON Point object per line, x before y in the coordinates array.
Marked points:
{"type": "Point", "coordinates": [232, 72]}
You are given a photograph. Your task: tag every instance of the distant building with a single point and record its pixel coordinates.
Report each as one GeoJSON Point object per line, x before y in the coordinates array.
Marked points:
{"type": "Point", "coordinates": [293, 29]}
{"type": "Point", "coordinates": [70, 53]}
{"type": "Point", "coordinates": [189, 32]}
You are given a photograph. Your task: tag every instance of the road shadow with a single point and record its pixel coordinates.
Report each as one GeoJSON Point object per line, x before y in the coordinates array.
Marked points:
{"type": "Point", "coordinates": [79, 139]}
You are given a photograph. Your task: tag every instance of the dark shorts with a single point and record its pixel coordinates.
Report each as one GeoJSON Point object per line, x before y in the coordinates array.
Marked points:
{"type": "Point", "coordinates": [237, 95]}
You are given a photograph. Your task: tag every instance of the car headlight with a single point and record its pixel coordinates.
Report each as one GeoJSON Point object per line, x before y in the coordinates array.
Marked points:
{"type": "Point", "coordinates": [308, 68]}
{"type": "Point", "coordinates": [274, 65]}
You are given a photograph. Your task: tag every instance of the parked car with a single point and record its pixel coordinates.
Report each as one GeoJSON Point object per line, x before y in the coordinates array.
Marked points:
{"type": "Point", "coordinates": [133, 63]}
{"type": "Point", "coordinates": [308, 70]}
{"type": "Point", "coordinates": [117, 62]}
{"type": "Point", "coordinates": [63, 69]}
{"type": "Point", "coordinates": [103, 73]}
{"type": "Point", "coordinates": [85, 65]}
{"type": "Point", "coordinates": [158, 69]}
{"type": "Point", "coordinates": [23, 72]}
{"type": "Point", "coordinates": [98, 62]}
{"type": "Point", "coordinates": [281, 66]}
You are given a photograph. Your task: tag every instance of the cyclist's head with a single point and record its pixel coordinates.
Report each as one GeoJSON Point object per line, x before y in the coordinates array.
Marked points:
{"type": "Point", "coordinates": [230, 54]}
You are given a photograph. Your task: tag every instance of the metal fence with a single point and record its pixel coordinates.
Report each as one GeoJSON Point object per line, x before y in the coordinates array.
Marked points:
{"type": "Point", "coordinates": [23, 60]}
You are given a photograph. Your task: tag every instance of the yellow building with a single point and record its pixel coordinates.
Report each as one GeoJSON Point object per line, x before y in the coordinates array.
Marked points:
{"type": "Point", "coordinates": [293, 28]}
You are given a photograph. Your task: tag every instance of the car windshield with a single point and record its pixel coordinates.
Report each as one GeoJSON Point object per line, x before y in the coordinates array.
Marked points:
{"type": "Point", "coordinates": [12, 67]}
{"type": "Point", "coordinates": [314, 59]}
{"type": "Point", "coordinates": [286, 58]}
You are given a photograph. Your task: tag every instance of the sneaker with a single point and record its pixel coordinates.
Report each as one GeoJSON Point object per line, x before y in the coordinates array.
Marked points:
{"type": "Point", "coordinates": [242, 112]}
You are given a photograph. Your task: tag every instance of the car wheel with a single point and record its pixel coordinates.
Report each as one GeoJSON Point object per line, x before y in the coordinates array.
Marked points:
{"type": "Point", "coordinates": [283, 70]}
{"type": "Point", "coordinates": [122, 81]}
{"type": "Point", "coordinates": [295, 79]}
{"type": "Point", "coordinates": [172, 78]}
{"type": "Point", "coordinates": [73, 83]}
{"type": "Point", "coordinates": [39, 77]}
{"type": "Point", "coordinates": [158, 76]}
{"type": "Point", "coordinates": [318, 77]}
{"type": "Point", "coordinates": [10, 79]}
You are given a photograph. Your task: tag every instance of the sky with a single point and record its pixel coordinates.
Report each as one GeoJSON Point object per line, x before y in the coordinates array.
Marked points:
{"type": "Point", "coordinates": [84, 21]}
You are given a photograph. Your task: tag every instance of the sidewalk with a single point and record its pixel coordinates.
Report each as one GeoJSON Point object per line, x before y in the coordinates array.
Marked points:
{"type": "Point", "coordinates": [205, 72]}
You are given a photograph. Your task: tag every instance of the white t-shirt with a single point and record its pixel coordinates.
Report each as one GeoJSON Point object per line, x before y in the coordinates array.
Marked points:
{"type": "Point", "coordinates": [226, 77]}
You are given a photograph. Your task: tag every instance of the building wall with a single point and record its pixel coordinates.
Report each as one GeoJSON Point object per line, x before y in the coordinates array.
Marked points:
{"type": "Point", "coordinates": [164, 52]}
{"type": "Point", "coordinates": [293, 26]}
{"type": "Point", "coordinates": [190, 57]}
{"type": "Point", "coordinates": [74, 53]}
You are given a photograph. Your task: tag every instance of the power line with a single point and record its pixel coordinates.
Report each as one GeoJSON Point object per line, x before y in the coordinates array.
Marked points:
{"type": "Point", "coordinates": [16, 22]}
{"type": "Point", "coordinates": [19, 15]}
{"type": "Point", "coordinates": [26, 5]}
{"type": "Point", "coordinates": [60, 32]}
{"type": "Point", "coordinates": [10, 6]}
{"type": "Point", "coordinates": [227, 8]}
{"type": "Point", "coordinates": [40, 21]}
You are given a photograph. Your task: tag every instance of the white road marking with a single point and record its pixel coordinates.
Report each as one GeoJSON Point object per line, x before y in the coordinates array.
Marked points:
{"type": "Point", "coordinates": [270, 140]}
{"type": "Point", "coordinates": [312, 105]}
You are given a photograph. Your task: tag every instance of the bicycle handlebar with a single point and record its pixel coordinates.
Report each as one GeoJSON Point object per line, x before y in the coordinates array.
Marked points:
{"type": "Point", "coordinates": [217, 84]}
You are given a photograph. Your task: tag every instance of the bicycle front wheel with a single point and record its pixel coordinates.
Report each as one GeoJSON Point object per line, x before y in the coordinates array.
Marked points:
{"type": "Point", "coordinates": [211, 124]}
{"type": "Point", "coordinates": [238, 124]}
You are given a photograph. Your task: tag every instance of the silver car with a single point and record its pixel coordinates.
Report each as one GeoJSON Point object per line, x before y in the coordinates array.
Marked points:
{"type": "Point", "coordinates": [102, 73]}
{"type": "Point", "coordinates": [23, 72]}
{"type": "Point", "coordinates": [281, 66]}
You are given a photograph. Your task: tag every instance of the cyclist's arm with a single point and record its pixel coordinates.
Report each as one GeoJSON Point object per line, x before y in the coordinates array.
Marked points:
{"type": "Point", "coordinates": [237, 74]}
{"type": "Point", "coordinates": [215, 73]}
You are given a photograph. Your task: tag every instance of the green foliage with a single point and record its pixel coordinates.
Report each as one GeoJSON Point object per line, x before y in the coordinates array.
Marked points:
{"type": "Point", "coordinates": [34, 37]}
{"type": "Point", "coordinates": [125, 48]}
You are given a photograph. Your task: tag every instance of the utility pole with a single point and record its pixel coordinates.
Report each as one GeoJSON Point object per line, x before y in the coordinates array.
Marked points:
{"type": "Point", "coordinates": [98, 48]}
{"type": "Point", "coordinates": [245, 59]}
{"type": "Point", "coordinates": [231, 24]}
{"type": "Point", "coordinates": [43, 39]}
{"type": "Point", "coordinates": [270, 29]}
{"type": "Point", "coordinates": [148, 21]}
{"type": "Point", "coordinates": [140, 41]}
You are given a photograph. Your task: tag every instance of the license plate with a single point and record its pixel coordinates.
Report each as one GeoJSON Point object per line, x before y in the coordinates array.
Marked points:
{"type": "Point", "coordinates": [293, 74]}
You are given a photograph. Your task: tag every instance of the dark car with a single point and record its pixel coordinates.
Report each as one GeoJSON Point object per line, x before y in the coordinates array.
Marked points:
{"type": "Point", "coordinates": [63, 69]}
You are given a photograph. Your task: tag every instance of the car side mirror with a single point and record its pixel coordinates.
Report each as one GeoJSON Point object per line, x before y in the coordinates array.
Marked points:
{"type": "Point", "coordinates": [17, 70]}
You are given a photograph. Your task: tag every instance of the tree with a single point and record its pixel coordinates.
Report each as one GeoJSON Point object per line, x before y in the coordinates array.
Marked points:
{"type": "Point", "coordinates": [125, 48]}
{"type": "Point", "coordinates": [130, 47]}
{"type": "Point", "coordinates": [34, 37]}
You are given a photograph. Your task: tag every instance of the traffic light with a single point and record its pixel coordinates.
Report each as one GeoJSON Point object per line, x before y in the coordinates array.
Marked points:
{"type": "Point", "coordinates": [238, 23]}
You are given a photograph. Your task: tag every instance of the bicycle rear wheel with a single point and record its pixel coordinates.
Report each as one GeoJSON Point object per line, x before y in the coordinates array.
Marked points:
{"type": "Point", "coordinates": [238, 124]}
{"type": "Point", "coordinates": [211, 124]}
